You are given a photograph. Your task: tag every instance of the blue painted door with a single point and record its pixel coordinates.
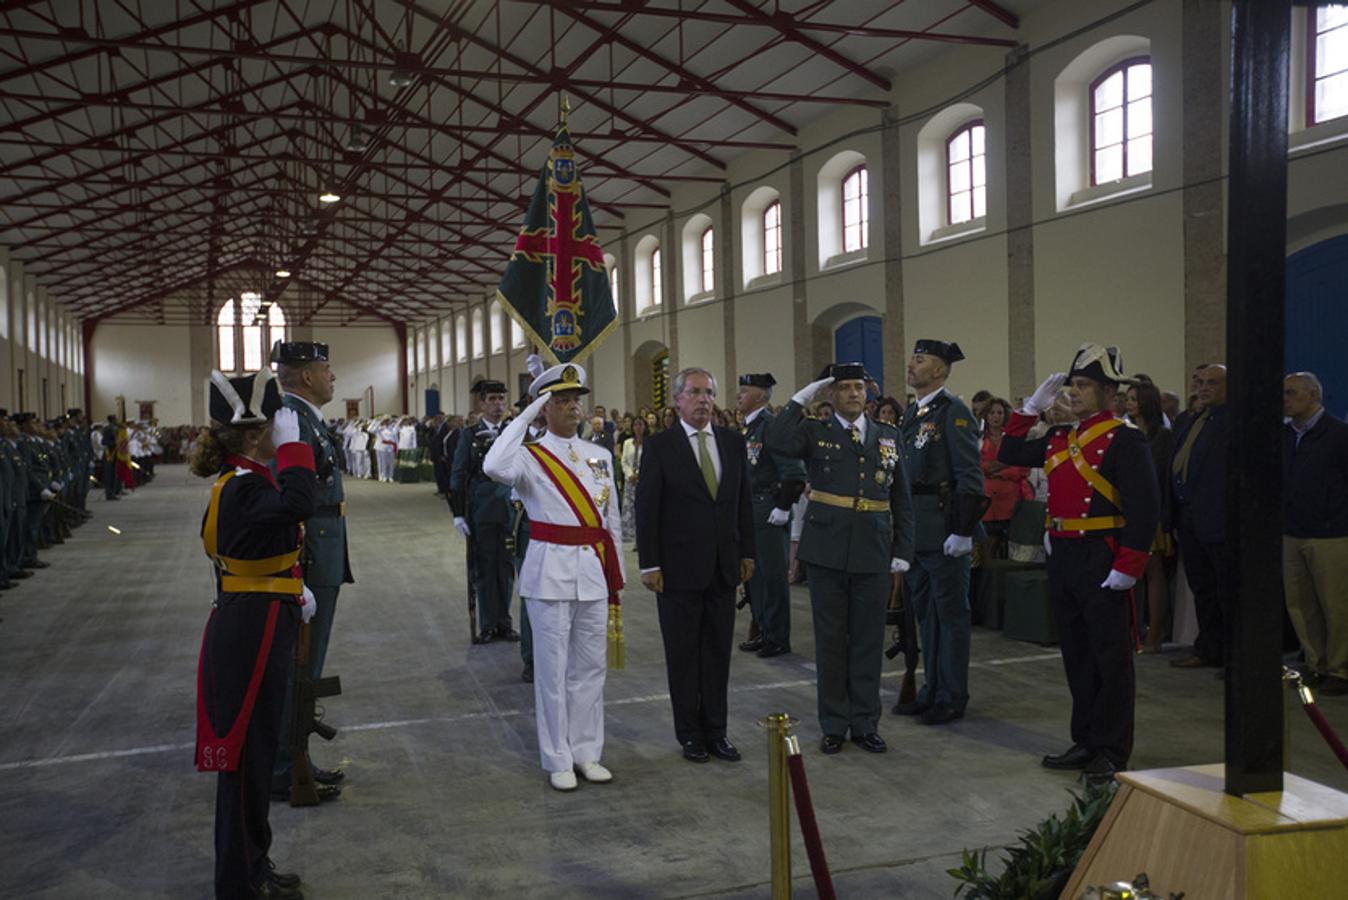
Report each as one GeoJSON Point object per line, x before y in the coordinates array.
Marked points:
{"type": "Point", "coordinates": [432, 401]}
{"type": "Point", "coordinates": [1317, 318]}
{"type": "Point", "coordinates": [862, 340]}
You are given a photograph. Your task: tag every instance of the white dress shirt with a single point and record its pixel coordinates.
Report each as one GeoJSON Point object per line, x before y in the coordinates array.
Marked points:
{"type": "Point", "coordinates": [555, 571]}
{"type": "Point", "coordinates": [711, 446]}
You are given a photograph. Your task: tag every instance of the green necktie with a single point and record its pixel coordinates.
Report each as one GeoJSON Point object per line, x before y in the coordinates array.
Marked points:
{"type": "Point", "coordinates": [704, 460]}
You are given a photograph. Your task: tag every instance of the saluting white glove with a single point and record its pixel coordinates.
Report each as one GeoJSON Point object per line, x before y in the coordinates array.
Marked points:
{"type": "Point", "coordinates": [1117, 581]}
{"type": "Point", "coordinates": [46, 494]}
{"type": "Point", "coordinates": [535, 365]}
{"type": "Point", "coordinates": [958, 545]}
{"type": "Point", "coordinates": [462, 525]}
{"type": "Point", "coordinates": [310, 605]}
{"type": "Point", "coordinates": [56, 485]}
{"type": "Point", "coordinates": [806, 394]}
{"type": "Point", "coordinates": [285, 427]}
{"type": "Point", "coordinates": [1046, 394]}
{"type": "Point", "coordinates": [1048, 544]}
{"type": "Point", "coordinates": [779, 516]}
{"type": "Point", "coordinates": [898, 566]}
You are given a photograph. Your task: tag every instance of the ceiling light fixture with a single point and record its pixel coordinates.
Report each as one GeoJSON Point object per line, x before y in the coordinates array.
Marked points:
{"type": "Point", "coordinates": [358, 141]}
{"type": "Point", "coordinates": [329, 197]}
{"type": "Point", "coordinates": [282, 273]}
{"type": "Point", "coordinates": [404, 66]}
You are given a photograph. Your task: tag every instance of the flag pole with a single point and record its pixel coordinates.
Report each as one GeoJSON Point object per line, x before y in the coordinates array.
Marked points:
{"type": "Point", "coordinates": [566, 108]}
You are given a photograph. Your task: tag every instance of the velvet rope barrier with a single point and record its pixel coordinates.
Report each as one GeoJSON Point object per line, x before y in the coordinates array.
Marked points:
{"type": "Point", "coordinates": [809, 828]}
{"type": "Point", "coordinates": [1318, 718]}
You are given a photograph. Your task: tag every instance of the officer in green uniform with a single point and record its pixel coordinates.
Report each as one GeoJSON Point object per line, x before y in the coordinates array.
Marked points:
{"type": "Point", "coordinates": [37, 464]}
{"type": "Point", "coordinates": [482, 514]}
{"type": "Point", "coordinates": [16, 475]}
{"type": "Point", "coordinates": [941, 455]}
{"type": "Point", "coordinates": [858, 529]}
{"type": "Point", "coordinates": [305, 375]}
{"type": "Point", "coordinates": [8, 471]}
{"type": "Point", "coordinates": [776, 482]}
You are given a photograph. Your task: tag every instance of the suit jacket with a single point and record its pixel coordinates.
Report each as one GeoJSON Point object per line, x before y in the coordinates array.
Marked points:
{"type": "Point", "coordinates": [1201, 499]}
{"type": "Point", "coordinates": [694, 540]}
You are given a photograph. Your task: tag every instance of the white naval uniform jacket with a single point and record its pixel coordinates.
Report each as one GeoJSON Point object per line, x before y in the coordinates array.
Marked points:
{"type": "Point", "coordinates": [554, 571]}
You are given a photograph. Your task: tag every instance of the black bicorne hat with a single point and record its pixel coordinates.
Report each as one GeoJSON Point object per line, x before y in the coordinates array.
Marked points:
{"type": "Point", "coordinates": [246, 400]}
{"type": "Point", "coordinates": [763, 380]}
{"type": "Point", "coordinates": [949, 352]}
{"type": "Point", "coordinates": [1103, 364]}
{"type": "Point", "coordinates": [297, 353]}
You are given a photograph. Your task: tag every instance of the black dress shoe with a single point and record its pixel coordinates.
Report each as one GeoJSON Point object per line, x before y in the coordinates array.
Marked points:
{"type": "Point", "coordinates": [940, 714]}
{"type": "Point", "coordinates": [752, 646]}
{"type": "Point", "coordinates": [695, 751]}
{"type": "Point", "coordinates": [508, 634]}
{"type": "Point", "coordinates": [326, 793]}
{"type": "Point", "coordinates": [21, 573]}
{"type": "Point", "coordinates": [38, 564]}
{"type": "Point", "coordinates": [721, 748]}
{"type": "Point", "coordinates": [871, 743]}
{"type": "Point", "coordinates": [1100, 770]}
{"type": "Point", "coordinates": [327, 776]}
{"type": "Point", "coordinates": [528, 674]}
{"type": "Point", "coordinates": [273, 891]}
{"type": "Point", "coordinates": [281, 879]}
{"type": "Point", "coordinates": [1074, 757]}
{"type": "Point", "coordinates": [832, 743]}
{"type": "Point", "coordinates": [485, 637]}
{"type": "Point", "coordinates": [767, 651]}
{"type": "Point", "coordinates": [916, 708]}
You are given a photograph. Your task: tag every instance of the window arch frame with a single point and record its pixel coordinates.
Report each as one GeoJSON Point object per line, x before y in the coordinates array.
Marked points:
{"type": "Point", "coordinates": [772, 238]}
{"type": "Point", "coordinates": [1312, 35]}
{"type": "Point", "coordinates": [1122, 66]}
{"type": "Point", "coordinates": [967, 127]}
{"type": "Point", "coordinates": [655, 261]}
{"type": "Point", "coordinates": [706, 248]}
{"type": "Point", "coordinates": [863, 201]}
{"type": "Point", "coordinates": [237, 327]}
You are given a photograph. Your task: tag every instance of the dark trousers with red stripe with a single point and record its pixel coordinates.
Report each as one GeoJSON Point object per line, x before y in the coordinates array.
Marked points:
{"type": "Point", "coordinates": [243, 797]}
{"type": "Point", "coordinates": [1095, 628]}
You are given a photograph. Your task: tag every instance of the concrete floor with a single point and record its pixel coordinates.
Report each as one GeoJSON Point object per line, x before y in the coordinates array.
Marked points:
{"type": "Point", "coordinates": [444, 797]}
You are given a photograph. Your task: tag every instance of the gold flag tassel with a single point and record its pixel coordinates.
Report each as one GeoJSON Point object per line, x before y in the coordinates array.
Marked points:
{"type": "Point", "coordinates": [617, 649]}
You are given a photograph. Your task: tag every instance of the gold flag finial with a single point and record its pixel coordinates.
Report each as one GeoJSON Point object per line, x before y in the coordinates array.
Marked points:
{"type": "Point", "coordinates": [566, 108]}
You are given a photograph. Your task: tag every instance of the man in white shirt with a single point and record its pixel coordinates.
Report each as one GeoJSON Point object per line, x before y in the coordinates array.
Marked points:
{"type": "Point", "coordinates": [572, 567]}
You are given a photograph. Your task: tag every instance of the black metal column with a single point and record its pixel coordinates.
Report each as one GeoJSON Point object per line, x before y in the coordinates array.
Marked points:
{"type": "Point", "coordinates": [1256, 249]}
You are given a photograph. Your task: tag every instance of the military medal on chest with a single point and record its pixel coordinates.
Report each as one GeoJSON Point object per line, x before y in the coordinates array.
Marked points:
{"type": "Point", "coordinates": [599, 469]}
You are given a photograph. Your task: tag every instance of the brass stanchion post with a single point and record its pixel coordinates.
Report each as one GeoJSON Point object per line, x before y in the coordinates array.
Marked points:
{"type": "Point", "coordinates": [778, 726]}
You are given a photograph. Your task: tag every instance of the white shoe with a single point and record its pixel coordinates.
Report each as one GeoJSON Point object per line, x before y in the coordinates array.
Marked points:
{"type": "Point", "coordinates": [594, 772]}
{"type": "Point", "coordinates": [562, 781]}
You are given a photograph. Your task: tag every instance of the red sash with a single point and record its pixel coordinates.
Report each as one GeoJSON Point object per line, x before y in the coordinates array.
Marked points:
{"type": "Point", "coordinates": [590, 533]}
{"type": "Point", "coordinates": [221, 754]}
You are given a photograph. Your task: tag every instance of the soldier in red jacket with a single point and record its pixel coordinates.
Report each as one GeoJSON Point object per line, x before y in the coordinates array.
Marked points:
{"type": "Point", "coordinates": [1103, 507]}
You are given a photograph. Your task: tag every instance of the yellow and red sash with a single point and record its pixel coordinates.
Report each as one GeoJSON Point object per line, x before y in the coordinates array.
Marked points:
{"type": "Point", "coordinates": [591, 532]}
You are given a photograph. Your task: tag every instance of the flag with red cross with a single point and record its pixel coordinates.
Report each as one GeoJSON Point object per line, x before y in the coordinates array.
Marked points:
{"type": "Point", "coordinates": [556, 284]}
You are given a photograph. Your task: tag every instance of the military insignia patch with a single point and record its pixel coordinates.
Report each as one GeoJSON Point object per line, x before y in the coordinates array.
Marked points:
{"type": "Point", "coordinates": [754, 448]}
{"type": "Point", "coordinates": [925, 435]}
{"type": "Point", "coordinates": [961, 423]}
{"type": "Point", "coordinates": [889, 454]}
{"type": "Point", "coordinates": [599, 467]}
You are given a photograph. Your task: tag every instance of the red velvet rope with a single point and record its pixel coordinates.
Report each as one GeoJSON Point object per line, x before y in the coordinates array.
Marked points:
{"type": "Point", "coordinates": [809, 828]}
{"type": "Point", "coordinates": [1322, 725]}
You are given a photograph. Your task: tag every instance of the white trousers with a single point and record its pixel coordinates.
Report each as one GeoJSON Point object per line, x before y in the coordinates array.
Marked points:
{"type": "Point", "coordinates": [362, 463]}
{"type": "Point", "coordinates": [570, 664]}
{"type": "Point", "coordinates": [386, 460]}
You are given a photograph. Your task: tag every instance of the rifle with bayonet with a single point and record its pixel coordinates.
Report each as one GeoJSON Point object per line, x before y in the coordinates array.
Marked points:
{"type": "Point", "coordinates": [900, 615]}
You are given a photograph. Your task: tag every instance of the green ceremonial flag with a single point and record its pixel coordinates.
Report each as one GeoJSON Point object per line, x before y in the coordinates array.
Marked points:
{"type": "Point", "coordinates": [556, 285]}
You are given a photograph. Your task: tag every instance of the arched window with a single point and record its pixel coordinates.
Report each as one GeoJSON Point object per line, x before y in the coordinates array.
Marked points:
{"type": "Point", "coordinates": [656, 292]}
{"type": "Point", "coordinates": [460, 338]}
{"type": "Point", "coordinates": [497, 328]}
{"type": "Point", "coordinates": [966, 173]}
{"type": "Point", "coordinates": [855, 215]}
{"type": "Point", "coordinates": [1327, 64]}
{"type": "Point", "coordinates": [613, 284]}
{"type": "Point", "coordinates": [446, 343]}
{"type": "Point", "coordinates": [244, 332]}
{"type": "Point", "coordinates": [772, 238]}
{"type": "Point", "coordinates": [707, 258]}
{"type": "Point", "coordinates": [479, 346]}
{"type": "Point", "coordinates": [516, 334]}
{"type": "Point", "coordinates": [1121, 121]}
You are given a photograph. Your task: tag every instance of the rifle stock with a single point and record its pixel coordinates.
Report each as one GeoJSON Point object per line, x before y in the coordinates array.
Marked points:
{"type": "Point", "coordinates": [900, 614]}
{"type": "Point", "coordinates": [303, 788]}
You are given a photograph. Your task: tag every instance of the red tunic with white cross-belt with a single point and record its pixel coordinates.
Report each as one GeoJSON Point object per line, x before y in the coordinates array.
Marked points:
{"type": "Point", "coordinates": [1101, 483]}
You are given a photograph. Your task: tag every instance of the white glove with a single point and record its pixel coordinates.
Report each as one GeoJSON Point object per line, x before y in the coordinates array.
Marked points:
{"type": "Point", "coordinates": [535, 365]}
{"type": "Point", "coordinates": [310, 605]}
{"type": "Point", "coordinates": [1046, 394]}
{"type": "Point", "coordinates": [285, 427]}
{"type": "Point", "coordinates": [779, 516]}
{"type": "Point", "coordinates": [806, 394]}
{"type": "Point", "coordinates": [1117, 581]}
{"type": "Point", "coordinates": [56, 485]}
{"type": "Point", "coordinates": [958, 545]}
{"type": "Point", "coordinates": [1048, 544]}
{"type": "Point", "coordinates": [46, 494]}
{"type": "Point", "coordinates": [462, 525]}
{"type": "Point", "coordinates": [898, 565]}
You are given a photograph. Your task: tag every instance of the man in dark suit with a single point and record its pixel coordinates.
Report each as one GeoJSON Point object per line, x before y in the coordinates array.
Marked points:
{"type": "Point", "coordinates": [1198, 515]}
{"type": "Point", "coordinates": [695, 534]}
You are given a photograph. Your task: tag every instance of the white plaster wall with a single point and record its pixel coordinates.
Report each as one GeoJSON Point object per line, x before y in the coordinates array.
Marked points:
{"type": "Point", "coordinates": [141, 362]}
{"type": "Point", "coordinates": [764, 338]}
{"type": "Point", "coordinates": [702, 342]}
{"type": "Point", "coordinates": [361, 358]}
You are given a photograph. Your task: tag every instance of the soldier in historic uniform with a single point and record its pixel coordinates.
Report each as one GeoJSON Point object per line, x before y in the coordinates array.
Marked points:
{"type": "Point", "coordinates": [482, 514]}
{"type": "Point", "coordinates": [858, 530]}
{"type": "Point", "coordinates": [776, 482]}
{"type": "Point", "coordinates": [252, 532]}
{"type": "Point", "coordinates": [940, 453]}
{"type": "Point", "coordinates": [305, 374]}
{"type": "Point", "coordinates": [1103, 507]}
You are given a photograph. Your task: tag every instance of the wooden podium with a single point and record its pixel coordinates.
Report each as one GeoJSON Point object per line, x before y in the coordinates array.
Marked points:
{"type": "Point", "coordinates": [1187, 834]}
